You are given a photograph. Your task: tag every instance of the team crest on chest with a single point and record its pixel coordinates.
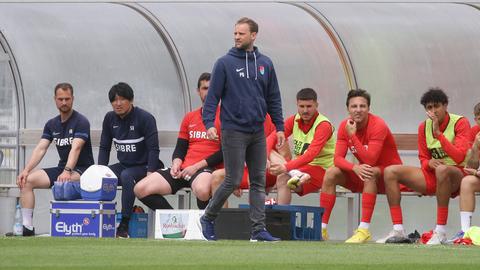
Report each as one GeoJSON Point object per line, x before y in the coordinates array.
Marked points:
{"type": "Point", "coordinates": [132, 128]}
{"type": "Point", "coordinates": [261, 69]}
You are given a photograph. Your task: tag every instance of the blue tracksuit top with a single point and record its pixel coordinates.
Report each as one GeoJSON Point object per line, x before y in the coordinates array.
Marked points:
{"type": "Point", "coordinates": [247, 86]}
{"type": "Point", "coordinates": [135, 138]}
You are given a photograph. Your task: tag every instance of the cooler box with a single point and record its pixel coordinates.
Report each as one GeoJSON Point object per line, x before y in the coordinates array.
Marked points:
{"type": "Point", "coordinates": [82, 219]}
{"type": "Point", "coordinates": [98, 183]}
{"type": "Point", "coordinates": [138, 225]}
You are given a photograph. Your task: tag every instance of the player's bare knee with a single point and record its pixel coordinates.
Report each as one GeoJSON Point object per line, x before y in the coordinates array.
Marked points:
{"type": "Point", "coordinates": [390, 174]}
{"type": "Point", "coordinates": [331, 176]}
{"type": "Point", "coordinates": [140, 190]}
{"type": "Point", "coordinates": [468, 184]}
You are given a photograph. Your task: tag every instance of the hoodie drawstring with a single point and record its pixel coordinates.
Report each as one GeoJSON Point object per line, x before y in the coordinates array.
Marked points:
{"type": "Point", "coordinates": [255, 58]}
{"type": "Point", "coordinates": [246, 64]}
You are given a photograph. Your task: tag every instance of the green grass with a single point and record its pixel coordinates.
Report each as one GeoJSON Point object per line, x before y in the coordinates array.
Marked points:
{"type": "Point", "coordinates": [82, 253]}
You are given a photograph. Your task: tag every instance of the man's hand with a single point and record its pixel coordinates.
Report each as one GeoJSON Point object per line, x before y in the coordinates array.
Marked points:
{"type": "Point", "coordinates": [188, 172]}
{"type": "Point", "coordinates": [471, 171]}
{"type": "Point", "coordinates": [351, 127]}
{"type": "Point", "coordinates": [238, 192]}
{"type": "Point", "coordinates": [435, 123]}
{"type": "Point", "coordinates": [65, 176]}
{"type": "Point", "coordinates": [22, 179]}
{"type": "Point", "coordinates": [212, 133]}
{"type": "Point", "coordinates": [280, 139]}
{"type": "Point", "coordinates": [434, 163]}
{"type": "Point", "coordinates": [277, 169]}
{"type": "Point", "coordinates": [175, 169]}
{"type": "Point", "coordinates": [363, 171]}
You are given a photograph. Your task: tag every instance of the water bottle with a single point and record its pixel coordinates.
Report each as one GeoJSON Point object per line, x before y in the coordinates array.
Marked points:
{"type": "Point", "coordinates": [18, 224]}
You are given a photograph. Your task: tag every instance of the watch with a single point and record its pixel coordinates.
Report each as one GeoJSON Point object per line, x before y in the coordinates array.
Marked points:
{"type": "Point", "coordinates": [68, 169]}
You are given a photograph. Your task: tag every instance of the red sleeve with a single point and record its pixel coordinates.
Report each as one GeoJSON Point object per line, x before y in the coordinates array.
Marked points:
{"type": "Point", "coordinates": [461, 143]}
{"type": "Point", "coordinates": [423, 153]}
{"type": "Point", "coordinates": [322, 134]}
{"type": "Point", "coordinates": [272, 138]}
{"type": "Point", "coordinates": [370, 154]}
{"type": "Point", "coordinates": [341, 150]}
{"type": "Point", "coordinates": [268, 126]}
{"type": "Point", "coordinates": [183, 132]}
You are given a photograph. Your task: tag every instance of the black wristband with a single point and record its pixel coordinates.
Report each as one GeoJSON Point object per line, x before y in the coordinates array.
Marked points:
{"type": "Point", "coordinates": [68, 169]}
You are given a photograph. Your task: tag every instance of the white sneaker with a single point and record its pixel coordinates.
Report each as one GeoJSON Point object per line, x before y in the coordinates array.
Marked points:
{"type": "Point", "coordinates": [438, 238]}
{"type": "Point", "coordinates": [393, 233]}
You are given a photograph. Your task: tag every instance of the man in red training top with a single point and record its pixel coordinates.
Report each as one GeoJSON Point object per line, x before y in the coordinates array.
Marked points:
{"type": "Point", "coordinates": [443, 141]}
{"type": "Point", "coordinates": [369, 139]}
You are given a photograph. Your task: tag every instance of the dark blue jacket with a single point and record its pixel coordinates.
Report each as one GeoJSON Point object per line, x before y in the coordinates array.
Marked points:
{"type": "Point", "coordinates": [246, 84]}
{"type": "Point", "coordinates": [135, 138]}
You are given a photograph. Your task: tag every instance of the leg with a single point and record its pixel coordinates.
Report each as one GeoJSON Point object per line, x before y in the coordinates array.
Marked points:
{"type": "Point", "coordinates": [284, 194]}
{"type": "Point", "coordinates": [369, 197]}
{"type": "Point", "coordinates": [37, 179]}
{"type": "Point", "coordinates": [256, 159]}
{"type": "Point", "coordinates": [150, 191]}
{"type": "Point", "coordinates": [470, 185]}
{"type": "Point", "coordinates": [201, 186]}
{"type": "Point", "coordinates": [218, 176]}
{"type": "Point", "coordinates": [448, 182]}
{"type": "Point", "coordinates": [233, 147]}
{"type": "Point", "coordinates": [333, 177]}
{"type": "Point", "coordinates": [128, 179]}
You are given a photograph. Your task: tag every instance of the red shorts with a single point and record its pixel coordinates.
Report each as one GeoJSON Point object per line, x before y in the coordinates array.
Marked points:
{"type": "Point", "coordinates": [271, 180]}
{"type": "Point", "coordinates": [355, 184]}
{"type": "Point", "coordinates": [316, 179]}
{"type": "Point", "coordinates": [431, 182]}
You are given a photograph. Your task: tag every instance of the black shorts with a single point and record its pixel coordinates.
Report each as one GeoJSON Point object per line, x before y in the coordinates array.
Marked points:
{"type": "Point", "coordinates": [177, 184]}
{"type": "Point", "coordinates": [54, 172]}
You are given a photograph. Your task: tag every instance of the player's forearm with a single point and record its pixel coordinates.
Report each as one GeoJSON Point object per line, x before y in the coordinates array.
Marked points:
{"type": "Point", "coordinates": [73, 157]}
{"type": "Point", "coordinates": [37, 156]}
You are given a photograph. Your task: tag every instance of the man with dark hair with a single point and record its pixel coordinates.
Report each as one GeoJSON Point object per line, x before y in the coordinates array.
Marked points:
{"type": "Point", "coordinates": [70, 132]}
{"type": "Point", "coordinates": [135, 136]}
{"type": "Point", "coordinates": [369, 139]}
{"type": "Point", "coordinates": [443, 141]}
{"type": "Point", "coordinates": [193, 161]}
{"type": "Point", "coordinates": [246, 84]}
{"type": "Point", "coordinates": [314, 146]}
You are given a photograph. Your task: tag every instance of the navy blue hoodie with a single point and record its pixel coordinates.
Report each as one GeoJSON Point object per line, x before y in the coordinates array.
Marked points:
{"type": "Point", "coordinates": [247, 86]}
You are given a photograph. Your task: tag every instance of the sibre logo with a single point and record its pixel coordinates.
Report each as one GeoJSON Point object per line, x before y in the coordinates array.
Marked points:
{"type": "Point", "coordinates": [62, 227]}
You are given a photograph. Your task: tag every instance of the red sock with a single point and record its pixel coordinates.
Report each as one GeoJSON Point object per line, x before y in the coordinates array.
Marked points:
{"type": "Point", "coordinates": [396, 214]}
{"type": "Point", "coordinates": [327, 201]}
{"type": "Point", "coordinates": [368, 204]}
{"type": "Point", "coordinates": [442, 215]}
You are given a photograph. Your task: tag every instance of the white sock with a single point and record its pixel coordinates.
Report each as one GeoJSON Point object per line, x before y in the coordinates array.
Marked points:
{"type": "Point", "coordinates": [364, 225]}
{"type": "Point", "coordinates": [324, 225]}
{"type": "Point", "coordinates": [398, 227]}
{"type": "Point", "coordinates": [27, 215]}
{"type": "Point", "coordinates": [440, 228]}
{"type": "Point", "coordinates": [296, 173]}
{"type": "Point", "coordinates": [466, 220]}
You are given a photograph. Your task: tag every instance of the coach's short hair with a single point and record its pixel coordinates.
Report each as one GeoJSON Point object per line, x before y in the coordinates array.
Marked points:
{"type": "Point", "coordinates": [122, 90]}
{"type": "Point", "coordinates": [252, 25]}
{"type": "Point", "coordinates": [307, 94]}
{"type": "Point", "coordinates": [434, 95]}
{"type": "Point", "coordinates": [358, 93]}
{"type": "Point", "coordinates": [64, 86]}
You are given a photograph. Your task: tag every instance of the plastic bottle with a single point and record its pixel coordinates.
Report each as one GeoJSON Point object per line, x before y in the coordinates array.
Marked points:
{"type": "Point", "coordinates": [18, 224]}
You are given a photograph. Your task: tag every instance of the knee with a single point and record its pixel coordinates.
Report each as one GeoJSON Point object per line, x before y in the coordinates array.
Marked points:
{"type": "Point", "coordinates": [217, 179]}
{"type": "Point", "coordinates": [282, 180]}
{"type": "Point", "coordinates": [126, 178]}
{"type": "Point", "coordinates": [202, 193]}
{"type": "Point", "coordinates": [331, 176]}
{"type": "Point", "coordinates": [443, 173]}
{"type": "Point", "coordinates": [140, 190]}
{"type": "Point", "coordinates": [390, 174]}
{"type": "Point", "coordinates": [468, 184]}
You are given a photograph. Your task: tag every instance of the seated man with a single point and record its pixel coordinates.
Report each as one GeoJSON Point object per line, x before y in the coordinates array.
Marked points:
{"type": "Point", "coordinates": [135, 136]}
{"type": "Point", "coordinates": [70, 132]}
{"type": "Point", "coordinates": [314, 144]}
{"type": "Point", "coordinates": [193, 161]}
{"type": "Point", "coordinates": [219, 175]}
{"type": "Point", "coordinates": [369, 139]}
{"type": "Point", "coordinates": [470, 183]}
{"type": "Point", "coordinates": [443, 140]}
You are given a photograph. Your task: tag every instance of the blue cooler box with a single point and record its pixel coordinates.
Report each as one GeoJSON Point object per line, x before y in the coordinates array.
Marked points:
{"type": "Point", "coordinates": [138, 225]}
{"type": "Point", "coordinates": [82, 219]}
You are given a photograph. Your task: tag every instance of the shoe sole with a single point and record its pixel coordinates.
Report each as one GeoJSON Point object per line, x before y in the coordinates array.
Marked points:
{"type": "Point", "coordinates": [256, 241]}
